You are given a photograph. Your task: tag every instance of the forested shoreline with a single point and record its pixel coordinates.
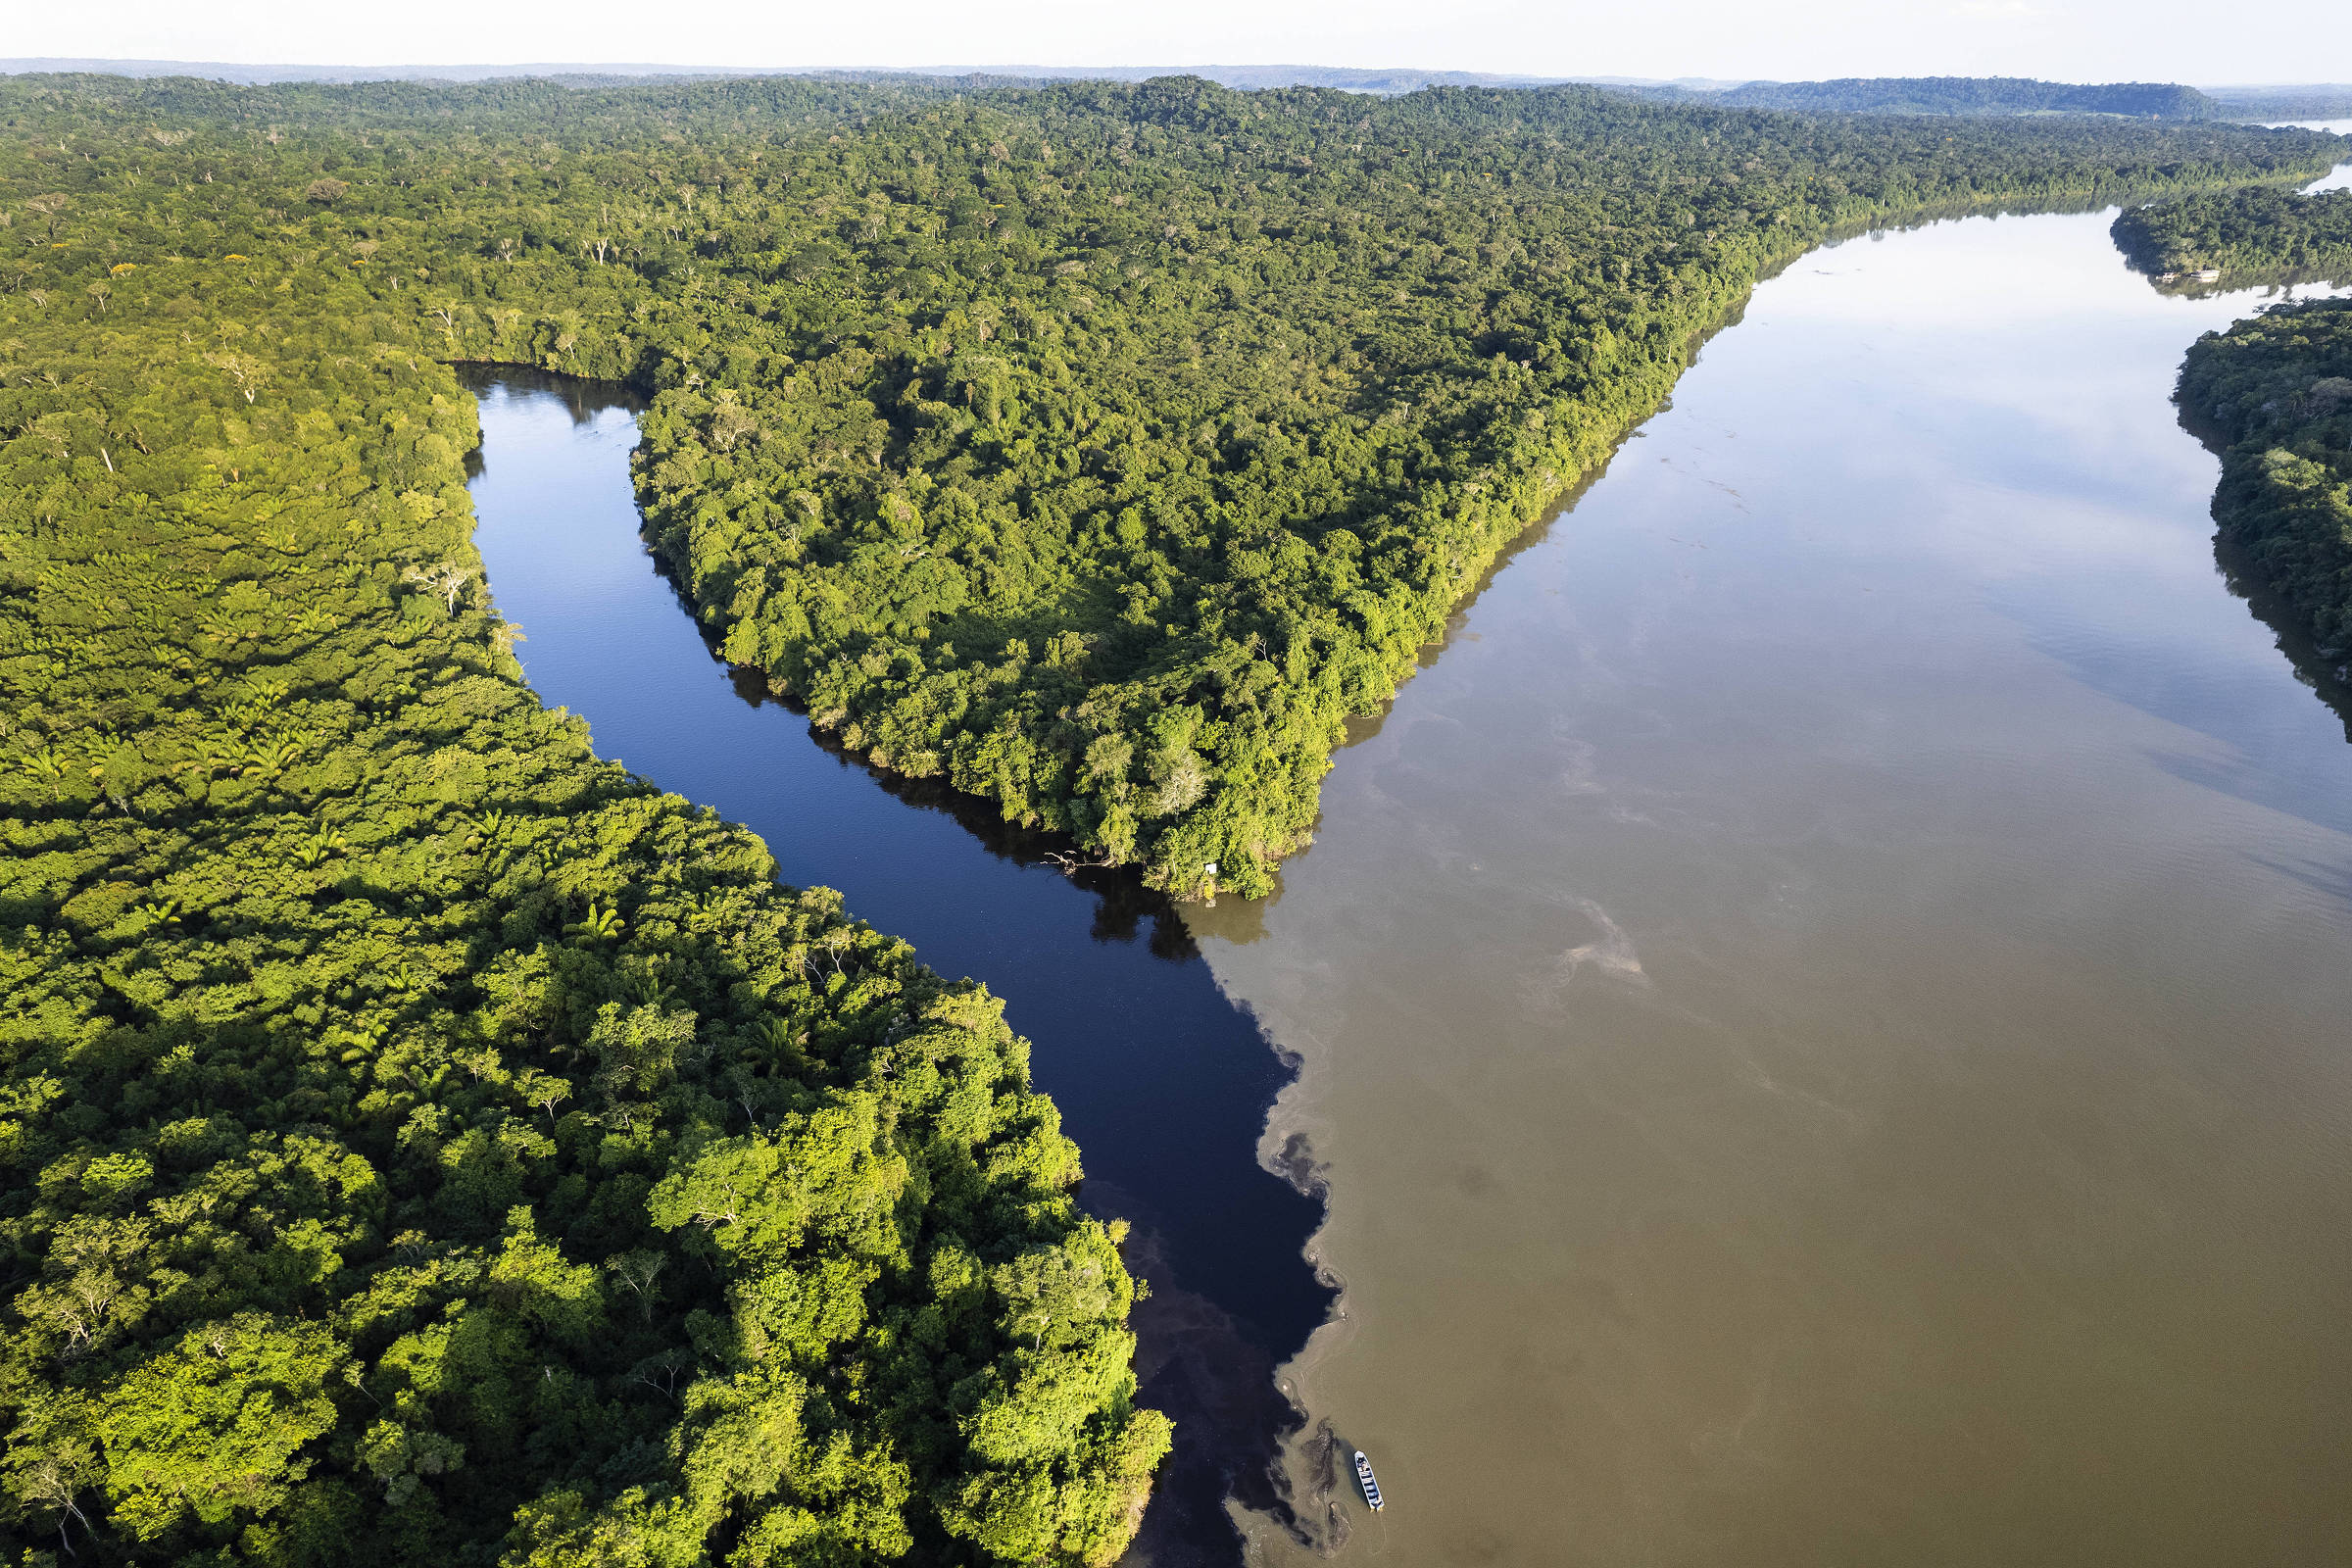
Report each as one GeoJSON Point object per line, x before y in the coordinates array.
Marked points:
{"type": "Point", "coordinates": [1097, 447]}
{"type": "Point", "coordinates": [2314, 101]}
{"type": "Point", "coordinates": [2253, 232]}
{"type": "Point", "coordinates": [1101, 448]}
{"type": "Point", "coordinates": [2279, 388]}
{"type": "Point", "coordinates": [428, 1141]}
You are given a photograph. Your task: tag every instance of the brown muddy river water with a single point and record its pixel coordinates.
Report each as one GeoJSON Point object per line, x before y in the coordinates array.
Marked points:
{"type": "Point", "coordinates": [1826, 1009]}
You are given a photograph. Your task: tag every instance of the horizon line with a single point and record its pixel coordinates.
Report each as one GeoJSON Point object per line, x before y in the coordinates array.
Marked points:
{"type": "Point", "coordinates": [28, 65]}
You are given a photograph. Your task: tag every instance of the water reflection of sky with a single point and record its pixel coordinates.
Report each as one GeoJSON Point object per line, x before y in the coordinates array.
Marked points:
{"type": "Point", "coordinates": [2053, 424]}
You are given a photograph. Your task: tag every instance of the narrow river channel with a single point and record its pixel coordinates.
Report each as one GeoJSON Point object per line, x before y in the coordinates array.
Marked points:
{"type": "Point", "coordinates": [1823, 1010]}
{"type": "Point", "coordinates": [1162, 1079]}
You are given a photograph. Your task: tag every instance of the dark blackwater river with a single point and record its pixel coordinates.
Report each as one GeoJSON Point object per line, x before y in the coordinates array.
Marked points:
{"type": "Point", "coordinates": [1823, 1011]}
{"type": "Point", "coordinates": [1161, 1081]}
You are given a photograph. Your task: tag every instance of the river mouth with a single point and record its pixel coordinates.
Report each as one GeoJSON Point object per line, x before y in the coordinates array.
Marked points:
{"type": "Point", "coordinates": [1821, 1012]}
{"type": "Point", "coordinates": [1163, 1081]}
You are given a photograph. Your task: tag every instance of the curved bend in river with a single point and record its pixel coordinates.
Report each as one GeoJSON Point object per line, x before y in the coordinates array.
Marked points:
{"type": "Point", "coordinates": [1161, 1082]}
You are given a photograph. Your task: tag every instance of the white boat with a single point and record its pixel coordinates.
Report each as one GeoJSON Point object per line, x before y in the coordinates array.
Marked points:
{"type": "Point", "coordinates": [1363, 1478]}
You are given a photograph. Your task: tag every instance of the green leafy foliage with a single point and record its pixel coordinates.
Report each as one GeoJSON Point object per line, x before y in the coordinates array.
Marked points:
{"type": "Point", "coordinates": [2256, 231]}
{"type": "Point", "coordinates": [423, 1140]}
{"type": "Point", "coordinates": [2278, 386]}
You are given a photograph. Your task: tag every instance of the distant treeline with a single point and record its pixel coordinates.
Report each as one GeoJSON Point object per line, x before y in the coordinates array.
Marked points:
{"type": "Point", "coordinates": [2328, 100]}
{"type": "Point", "coordinates": [2256, 230]}
{"type": "Point", "coordinates": [2279, 388]}
{"type": "Point", "coordinates": [1350, 78]}
{"type": "Point", "coordinates": [1960, 95]}
{"type": "Point", "coordinates": [1912, 95]}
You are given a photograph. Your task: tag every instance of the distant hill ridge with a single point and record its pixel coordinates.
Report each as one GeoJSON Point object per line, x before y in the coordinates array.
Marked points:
{"type": "Point", "coordinates": [1381, 80]}
{"type": "Point", "coordinates": [1885, 95]}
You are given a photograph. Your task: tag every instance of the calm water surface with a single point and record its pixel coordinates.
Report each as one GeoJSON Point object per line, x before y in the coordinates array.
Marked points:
{"type": "Point", "coordinates": [1827, 1010]}
{"type": "Point", "coordinates": [1161, 1082]}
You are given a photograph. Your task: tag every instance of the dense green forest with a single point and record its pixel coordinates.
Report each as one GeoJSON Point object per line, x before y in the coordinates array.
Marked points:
{"type": "Point", "coordinates": [1964, 95]}
{"type": "Point", "coordinates": [424, 1141]}
{"type": "Point", "coordinates": [2278, 388]}
{"type": "Point", "coordinates": [1098, 447]}
{"type": "Point", "coordinates": [428, 1142]}
{"type": "Point", "coordinates": [2258, 229]}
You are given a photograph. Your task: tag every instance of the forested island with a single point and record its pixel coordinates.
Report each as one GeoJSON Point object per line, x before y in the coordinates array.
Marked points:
{"type": "Point", "coordinates": [1101, 449]}
{"type": "Point", "coordinates": [429, 1142]}
{"type": "Point", "coordinates": [2257, 230]}
{"type": "Point", "coordinates": [2278, 388]}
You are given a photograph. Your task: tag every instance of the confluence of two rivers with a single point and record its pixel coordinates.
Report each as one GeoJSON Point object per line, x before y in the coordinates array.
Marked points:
{"type": "Point", "coordinates": [1821, 1013]}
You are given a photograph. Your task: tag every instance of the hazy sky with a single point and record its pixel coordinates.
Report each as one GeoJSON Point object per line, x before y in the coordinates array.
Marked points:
{"type": "Point", "coordinates": [2082, 40]}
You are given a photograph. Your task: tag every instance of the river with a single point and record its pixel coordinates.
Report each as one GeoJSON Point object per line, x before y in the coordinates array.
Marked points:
{"type": "Point", "coordinates": [1821, 1008]}
{"type": "Point", "coordinates": [1824, 1010]}
{"type": "Point", "coordinates": [1162, 1082]}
